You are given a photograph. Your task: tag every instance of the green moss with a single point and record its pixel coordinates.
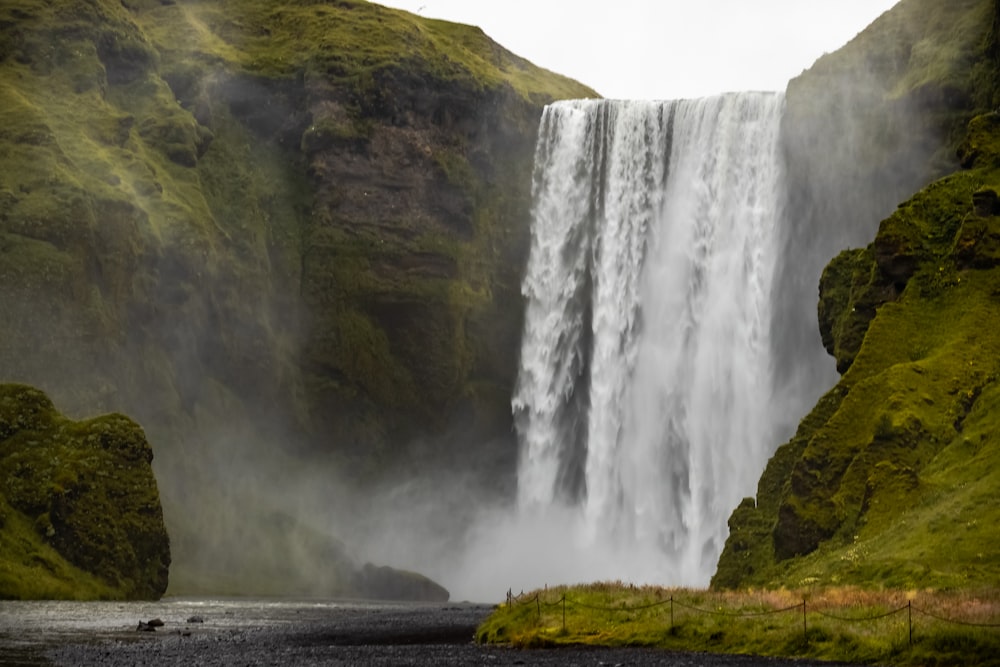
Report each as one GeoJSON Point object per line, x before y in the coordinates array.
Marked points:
{"type": "Point", "coordinates": [81, 511]}
{"type": "Point", "coordinates": [849, 295]}
{"type": "Point", "coordinates": [330, 133]}
{"type": "Point", "coordinates": [922, 56]}
{"type": "Point", "coordinates": [979, 147]}
{"type": "Point", "coordinates": [350, 42]}
{"type": "Point", "coordinates": [864, 497]}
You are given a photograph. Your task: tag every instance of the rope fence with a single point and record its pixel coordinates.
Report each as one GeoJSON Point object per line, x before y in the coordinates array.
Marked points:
{"type": "Point", "coordinates": [909, 608]}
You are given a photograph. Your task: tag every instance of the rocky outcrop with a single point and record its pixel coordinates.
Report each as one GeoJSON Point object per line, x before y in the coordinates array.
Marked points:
{"type": "Point", "coordinates": [80, 514]}
{"type": "Point", "coordinates": [387, 583]}
{"type": "Point", "coordinates": [905, 442]}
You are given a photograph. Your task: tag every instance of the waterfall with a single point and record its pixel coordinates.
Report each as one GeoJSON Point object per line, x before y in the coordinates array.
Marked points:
{"type": "Point", "coordinates": [644, 396]}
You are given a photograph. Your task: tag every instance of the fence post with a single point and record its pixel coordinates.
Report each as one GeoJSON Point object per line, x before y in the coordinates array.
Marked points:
{"type": "Point", "coordinates": [564, 611]}
{"type": "Point", "coordinates": [538, 605]}
{"type": "Point", "coordinates": [805, 634]}
{"type": "Point", "coordinates": [671, 612]}
{"type": "Point", "coordinates": [909, 619]}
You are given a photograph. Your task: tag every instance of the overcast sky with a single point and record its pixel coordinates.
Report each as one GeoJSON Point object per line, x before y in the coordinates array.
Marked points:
{"type": "Point", "coordinates": [665, 49]}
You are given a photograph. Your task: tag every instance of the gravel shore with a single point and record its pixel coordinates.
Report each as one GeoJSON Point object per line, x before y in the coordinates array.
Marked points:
{"type": "Point", "coordinates": [245, 632]}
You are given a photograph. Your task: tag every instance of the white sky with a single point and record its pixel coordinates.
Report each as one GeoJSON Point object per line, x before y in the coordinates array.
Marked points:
{"type": "Point", "coordinates": [665, 49]}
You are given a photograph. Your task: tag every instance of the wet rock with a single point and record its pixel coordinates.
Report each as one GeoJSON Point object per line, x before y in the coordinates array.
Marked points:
{"type": "Point", "coordinates": [986, 202]}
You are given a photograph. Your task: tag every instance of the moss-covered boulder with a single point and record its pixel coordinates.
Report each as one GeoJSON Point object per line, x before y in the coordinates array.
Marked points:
{"type": "Point", "coordinates": [80, 514]}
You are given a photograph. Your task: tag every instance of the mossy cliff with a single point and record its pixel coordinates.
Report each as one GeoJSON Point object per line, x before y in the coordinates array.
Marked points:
{"type": "Point", "coordinates": [263, 229]}
{"type": "Point", "coordinates": [864, 128]}
{"type": "Point", "coordinates": [891, 479]}
{"type": "Point", "coordinates": [80, 515]}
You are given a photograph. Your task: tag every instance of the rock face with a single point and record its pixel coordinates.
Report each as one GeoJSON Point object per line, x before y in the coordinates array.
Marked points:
{"type": "Point", "coordinates": [80, 513]}
{"type": "Point", "coordinates": [412, 258]}
{"type": "Point", "coordinates": [279, 237]}
{"type": "Point", "coordinates": [906, 442]}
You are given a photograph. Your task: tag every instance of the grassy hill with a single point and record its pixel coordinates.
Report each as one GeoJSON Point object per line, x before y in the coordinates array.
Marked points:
{"type": "Point", "coordinates": [891, 479]}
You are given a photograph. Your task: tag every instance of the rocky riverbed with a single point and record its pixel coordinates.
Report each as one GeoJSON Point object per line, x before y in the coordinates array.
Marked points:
{"type": "Point", "coordinates": [288, 632]}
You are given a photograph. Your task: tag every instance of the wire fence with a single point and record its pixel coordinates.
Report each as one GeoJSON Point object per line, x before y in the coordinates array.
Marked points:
{"type": "Point", "coordinates": [800, 608]}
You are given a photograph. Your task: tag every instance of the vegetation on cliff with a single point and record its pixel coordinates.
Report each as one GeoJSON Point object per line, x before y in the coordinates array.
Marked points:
{"type": "Point", "coordinates": [890, 480]}
{"type": "Point", "coordinates": [864, 128]}
{"type": "Point", "coordinates": [274, 235]}
{"type": "Point", "coordinates": [80, 514]}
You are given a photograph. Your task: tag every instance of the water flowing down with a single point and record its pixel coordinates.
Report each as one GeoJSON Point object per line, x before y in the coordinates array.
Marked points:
{"type": "Point", "coordinates": [644, 392]}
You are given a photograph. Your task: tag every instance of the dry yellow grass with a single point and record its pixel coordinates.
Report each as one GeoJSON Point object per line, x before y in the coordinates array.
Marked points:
{"type": "Point", "coordinates": [900, 627]}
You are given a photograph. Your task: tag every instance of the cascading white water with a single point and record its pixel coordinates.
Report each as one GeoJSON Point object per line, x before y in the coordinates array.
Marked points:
{"type": "Point", "coordinates": [644, 391]}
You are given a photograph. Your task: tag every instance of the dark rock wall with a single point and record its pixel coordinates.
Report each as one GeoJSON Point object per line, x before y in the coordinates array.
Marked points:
{"type": "Point", "coordinates": [412, 260]}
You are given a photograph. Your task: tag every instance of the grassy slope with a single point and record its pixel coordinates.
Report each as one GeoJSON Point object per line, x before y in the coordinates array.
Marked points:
{"type": "Point", "coordinates": [897, 485]}
{"type": "Point", "coordinates": [891, 480]}
{"type": "Point", "coordinates": [346, 41]}
{"type": "Point", "coordinates": [111, 189]}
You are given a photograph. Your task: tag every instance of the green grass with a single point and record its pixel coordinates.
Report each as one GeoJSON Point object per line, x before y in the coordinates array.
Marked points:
{"type": "Point", "coordinates": [350, 41]}
{"type": "Point", "coordinates": [842, 624]}
{"type": "Point", "coordinates": [898, 482]}
{"type": "Point", "coordinates": [30, 569]}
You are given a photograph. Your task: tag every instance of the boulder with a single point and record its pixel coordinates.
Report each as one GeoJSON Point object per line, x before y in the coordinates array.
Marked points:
{"type": "Point", "coordinates": [387, 583]}
{"type": "Point", "coordinates": [81, 511]}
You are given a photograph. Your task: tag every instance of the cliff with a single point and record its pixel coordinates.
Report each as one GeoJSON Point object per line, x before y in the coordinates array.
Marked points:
{"type": "Point", "coordinates": [282, 238]}
{"type": "Point", "coordinates": [888, 480]}
{"type": "Point", "coordinates": [80, 515]}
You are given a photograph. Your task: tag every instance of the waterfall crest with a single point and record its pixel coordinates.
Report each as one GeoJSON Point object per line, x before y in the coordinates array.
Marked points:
{"type": "Point", "coordinates": [645, 383]}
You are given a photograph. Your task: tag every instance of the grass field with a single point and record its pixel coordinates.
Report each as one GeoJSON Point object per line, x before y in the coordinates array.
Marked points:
{"type": "Point", "coordinates": [915, 627]}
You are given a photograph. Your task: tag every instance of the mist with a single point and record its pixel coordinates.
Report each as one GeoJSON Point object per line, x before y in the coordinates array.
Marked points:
{"type": "Point", "coordinates": [851, 151]}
